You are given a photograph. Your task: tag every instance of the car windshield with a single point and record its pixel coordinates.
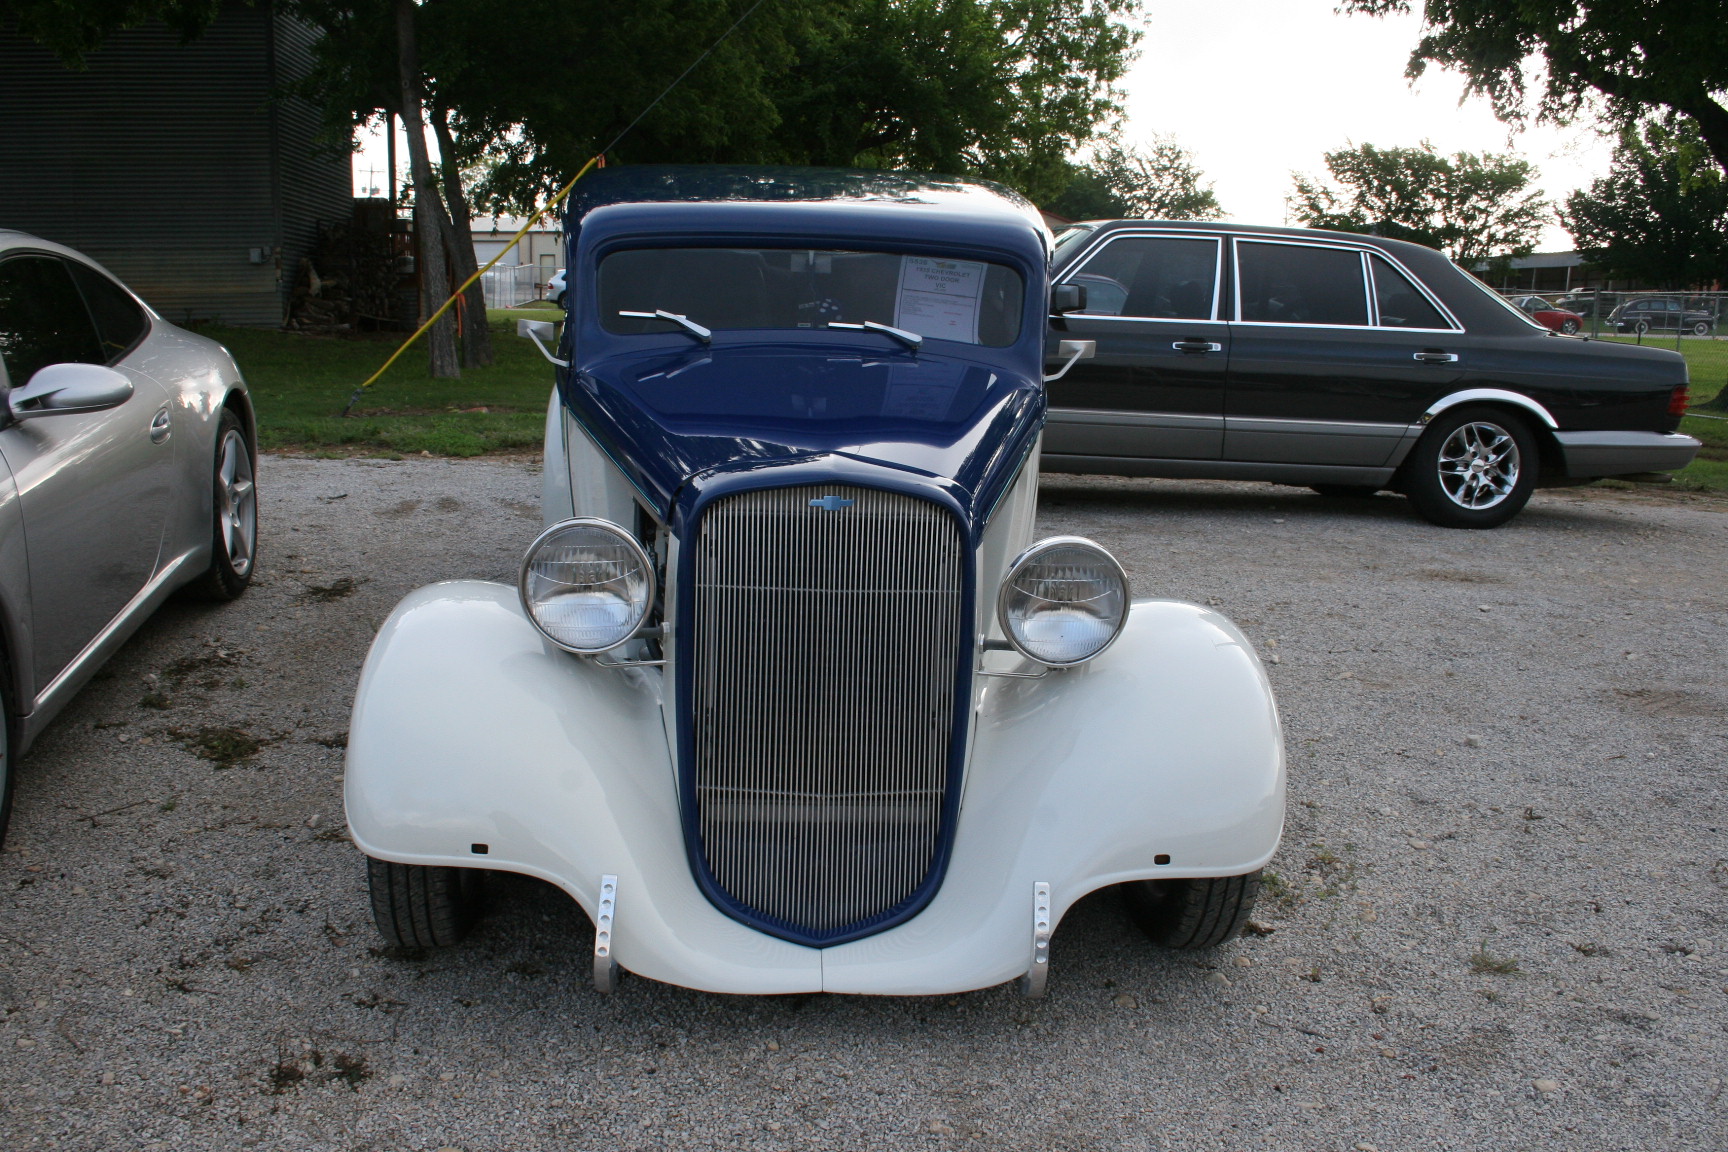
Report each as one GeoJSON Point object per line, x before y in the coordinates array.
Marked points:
{"type": "Point", "coordinates": [722, 289]}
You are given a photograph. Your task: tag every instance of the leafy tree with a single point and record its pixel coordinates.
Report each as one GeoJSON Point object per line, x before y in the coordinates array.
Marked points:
{"type": "Point", "coordinates": [1661, 213]}
{"type": "Point", "coordinates": [1470, 207]}
{"type": "Point", "coordinates": [1159, 181]}
{"type": "Point", "coordinates": [73, 28]}
{"type": "Point", "coordinates": [1651, 55]}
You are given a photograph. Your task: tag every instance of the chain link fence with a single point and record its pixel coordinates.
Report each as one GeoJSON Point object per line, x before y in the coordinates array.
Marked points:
{"type": "Point", "coordinates": [1663, 318]}
{"type": "Point", "coordinates": [512, 285]}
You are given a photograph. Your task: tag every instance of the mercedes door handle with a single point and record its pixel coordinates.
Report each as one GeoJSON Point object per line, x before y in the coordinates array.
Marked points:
{"type": "Point", "coordinates": [1436, 357]}
{"type": "Point", "coordinates": [159, 427]}
{"type": "Point", "coordinates": [1196, 346]}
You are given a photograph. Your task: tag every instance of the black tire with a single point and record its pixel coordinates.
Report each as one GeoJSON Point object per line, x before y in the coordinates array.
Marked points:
{"type": "Point", "coordinates": [1701, 328]}
{"type": "Point", "coordinates": [416, 906]}
{"type": "Point", "coordinates": [1191, 913]}
{"type": "Point", "coordinates": [559, 300]}
{"type": "Point", "coordinates": [1465, 498]}
{"type": "Point", "coordinates": [233, 515]}
{"type": "Point", "coordinates": [1642, 327]}
{"type": "Point", "coordinates": [1345, 491]}
{"type": "Point", "coordinates": [1569, 327]}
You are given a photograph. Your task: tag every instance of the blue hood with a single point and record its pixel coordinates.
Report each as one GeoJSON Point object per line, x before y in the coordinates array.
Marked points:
{"type": "Point", "coordinates": [677, 422]}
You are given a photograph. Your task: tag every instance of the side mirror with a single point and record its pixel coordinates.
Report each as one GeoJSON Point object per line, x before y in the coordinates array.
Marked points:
{"type": "Point", "coordinates": [1067, 298]}
{"type": "Point", "coordinates": [63, 389]}
{"type": "Point", "coordinates": [540, 331]}
{"type": "Point", "coordinates": [1075, 350]}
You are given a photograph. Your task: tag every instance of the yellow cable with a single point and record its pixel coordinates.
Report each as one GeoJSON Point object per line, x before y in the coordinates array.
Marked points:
{"type": "Point", "coordinates": [532, 220]}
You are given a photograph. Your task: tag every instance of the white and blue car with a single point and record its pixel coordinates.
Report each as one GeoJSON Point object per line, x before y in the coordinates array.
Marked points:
{"type": "Point", "coordinates": [788, 696]}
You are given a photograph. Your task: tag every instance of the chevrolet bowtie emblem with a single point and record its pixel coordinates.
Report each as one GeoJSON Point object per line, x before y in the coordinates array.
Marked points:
{"type": "Point", "coordinates": [831, 503]}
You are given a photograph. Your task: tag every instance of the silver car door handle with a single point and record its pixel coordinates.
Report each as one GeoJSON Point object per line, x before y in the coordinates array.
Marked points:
{"type": "Point", "coordinates": [1201, 346]}
{"type": "Point", "coordinates": [159, 427]}
{"type": "Point", "coordinates": [1436, 357]}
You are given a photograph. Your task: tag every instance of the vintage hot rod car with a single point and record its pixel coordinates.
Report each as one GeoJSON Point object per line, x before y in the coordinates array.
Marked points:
{"type": "Point", "coordinates": [788, 698]}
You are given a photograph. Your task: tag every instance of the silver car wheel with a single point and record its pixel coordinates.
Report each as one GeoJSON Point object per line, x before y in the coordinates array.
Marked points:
{"type": "Point", "coordinates": [237, 502]}
{"type": "Point", "coordinates": [1478, 465]}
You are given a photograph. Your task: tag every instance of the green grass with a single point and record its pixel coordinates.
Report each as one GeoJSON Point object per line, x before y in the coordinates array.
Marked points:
{"type": "Point", "coordinates": [1707, 364]}
{"type": "Point", "coordinates": [301, 383]}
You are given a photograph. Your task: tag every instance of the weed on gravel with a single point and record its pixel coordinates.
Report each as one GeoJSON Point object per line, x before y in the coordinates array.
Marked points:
{"type": "Point", "coordinates": [223, 746]}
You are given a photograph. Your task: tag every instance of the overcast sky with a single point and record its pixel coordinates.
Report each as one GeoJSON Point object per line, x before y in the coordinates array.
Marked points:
{"type": "Point", "coordinates": [1260, 88]}
{"type": "Point", "coordinates": [1257, 89]}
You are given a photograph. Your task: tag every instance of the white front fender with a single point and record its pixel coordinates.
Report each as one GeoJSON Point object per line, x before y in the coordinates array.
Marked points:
{"type": "Point", "coordinates": [469, 729]}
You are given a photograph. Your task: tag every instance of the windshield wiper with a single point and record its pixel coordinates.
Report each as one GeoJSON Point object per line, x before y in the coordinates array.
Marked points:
{"type": "Point", "coordinates": [683, 322]}
{"type": "Point", "coordinates": [911, 339]}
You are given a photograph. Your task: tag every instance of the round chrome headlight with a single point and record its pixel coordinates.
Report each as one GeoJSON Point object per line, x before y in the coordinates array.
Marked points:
{"type": "Point", "coordinates": [1063, 601]}
{"type": "Point", "coordinates": [587, 585]}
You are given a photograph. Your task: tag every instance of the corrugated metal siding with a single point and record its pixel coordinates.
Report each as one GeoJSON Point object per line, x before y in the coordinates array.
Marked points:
{"type": "Point", "coordinates": [157, 161]}
{"type": "Point", "coordinates": [313, 186]}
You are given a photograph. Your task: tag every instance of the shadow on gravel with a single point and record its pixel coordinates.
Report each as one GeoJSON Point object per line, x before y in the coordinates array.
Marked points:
{"type": "Point", "coordinates": [535, 937]}
{"type": "Point", "coordinates": [1063, 492]}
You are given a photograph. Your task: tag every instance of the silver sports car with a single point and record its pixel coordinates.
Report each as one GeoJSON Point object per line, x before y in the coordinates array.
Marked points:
{"type": "Point", "coordinates": [127, 451]}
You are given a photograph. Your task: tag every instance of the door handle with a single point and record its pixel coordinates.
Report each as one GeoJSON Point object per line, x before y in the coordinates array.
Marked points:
{"type": "Point", "coordinates": [1196, 346]}
{"type": "Point", "coordinates": [159, 426]}
{"type": "Point", "coordinates": [1434, 356]}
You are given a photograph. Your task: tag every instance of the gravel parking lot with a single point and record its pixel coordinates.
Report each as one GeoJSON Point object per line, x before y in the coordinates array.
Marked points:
{"type": "Point", "coordinates": [1497, 920]}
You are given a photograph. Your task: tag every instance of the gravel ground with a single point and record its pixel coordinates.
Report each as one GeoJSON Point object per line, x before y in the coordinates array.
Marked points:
{"type": "Point", "coordinates": [1497, 919]}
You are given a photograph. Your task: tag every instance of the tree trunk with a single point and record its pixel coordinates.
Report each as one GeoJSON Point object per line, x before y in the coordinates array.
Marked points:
{"type": "Point", "coordinates": [476, 332]}
{"type": "Point", "coordinates": [431, 225]}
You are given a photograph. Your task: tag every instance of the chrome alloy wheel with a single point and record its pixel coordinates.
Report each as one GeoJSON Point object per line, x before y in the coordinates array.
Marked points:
{"type": "Point", "coordinates": [1478, 465]}
{"type": "Point", "coordinates": [237, 502]}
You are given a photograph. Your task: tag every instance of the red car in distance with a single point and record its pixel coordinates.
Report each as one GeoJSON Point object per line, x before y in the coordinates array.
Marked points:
{"type": "Point", "coordinates": [1549, 316]}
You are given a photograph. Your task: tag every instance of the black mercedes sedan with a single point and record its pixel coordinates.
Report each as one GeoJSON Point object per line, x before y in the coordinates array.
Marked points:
{"type": "Point", "coordinates": [1346, 363]}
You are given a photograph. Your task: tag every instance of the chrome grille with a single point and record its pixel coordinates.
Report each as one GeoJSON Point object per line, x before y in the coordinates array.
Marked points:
{"type": "Point", "coordinates": [824, 655]}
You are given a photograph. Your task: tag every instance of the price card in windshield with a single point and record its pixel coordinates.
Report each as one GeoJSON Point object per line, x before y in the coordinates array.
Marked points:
{"type": "Point", "coordinates": [940, 298]}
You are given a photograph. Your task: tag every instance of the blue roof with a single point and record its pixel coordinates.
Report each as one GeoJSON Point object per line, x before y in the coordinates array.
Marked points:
{"type": "Point", "coordinates": [795, 204]}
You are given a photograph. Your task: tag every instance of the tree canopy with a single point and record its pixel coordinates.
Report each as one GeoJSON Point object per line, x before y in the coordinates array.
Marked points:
{"type": "Point", "coordinates": [1471, 207]}
{"type": "Point", "coordinates": [73, 28]}
{"type": "Point", "coordinates": [1157, 181]}
{"type": "Point", "coordinates": [1668, 56]}
{"type": "Point", "coordinates": [1661, 213]}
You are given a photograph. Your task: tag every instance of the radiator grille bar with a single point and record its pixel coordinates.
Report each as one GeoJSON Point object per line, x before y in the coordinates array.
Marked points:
{"type": "Point", "coordinates": [826, 637]}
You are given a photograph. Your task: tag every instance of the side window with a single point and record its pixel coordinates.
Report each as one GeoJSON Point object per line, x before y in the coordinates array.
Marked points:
{"type": "Point", "coordinates": [42, 318]}
{"type": "Point", "coordinates": [119, 321]}
{"type": "Point", "coordinates": [1400, 305]}
{"type": "Point", "coordinates": [1155, 277]}
{"type": "Point", "coordinates": [1300, 284]}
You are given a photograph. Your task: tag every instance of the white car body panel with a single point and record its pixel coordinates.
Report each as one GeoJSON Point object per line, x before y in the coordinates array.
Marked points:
{"type": "Point", "coordinates": [469, 728]}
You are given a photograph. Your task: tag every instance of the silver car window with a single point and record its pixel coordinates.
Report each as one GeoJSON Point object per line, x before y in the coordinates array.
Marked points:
{"type": "Point", "coordinates": [42, 318]}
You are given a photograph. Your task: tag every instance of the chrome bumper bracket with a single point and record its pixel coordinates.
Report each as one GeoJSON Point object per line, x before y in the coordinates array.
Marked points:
{"type": "Point", "coordinates": [1032, 983]}
{"type": "Point", "coordinates": [605, 968]}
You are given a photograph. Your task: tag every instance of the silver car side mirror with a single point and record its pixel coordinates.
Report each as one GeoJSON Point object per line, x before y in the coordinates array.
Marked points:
{"type": "Point", "coordinates": [1075, 350]}
{"type": "Point", "coordinates": [540, 331]}
{"type": "Point", "coordinates": [63, 389]}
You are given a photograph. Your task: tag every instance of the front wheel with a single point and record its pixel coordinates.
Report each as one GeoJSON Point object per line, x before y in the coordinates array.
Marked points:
{"type": "Point", "coordinates": [1472, 468]}
{"type": "Point", "coordinates": [1642, 327]}
{"type": "Point", "coordinates": [1701, 328]}
{"type": "Point", "coordinates": [234, 520]}
{"type": "Point", "coordinates": [416, 906]}
{"type": "Point", "coordinates": [1198, 913]}
{"type": "Point", "coordinates": [1569, 327]}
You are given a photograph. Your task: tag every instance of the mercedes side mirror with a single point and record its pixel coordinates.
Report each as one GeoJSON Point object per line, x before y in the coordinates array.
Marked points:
{"type": "Point", "coordinates": [1067, 298]}
{"type": "Point", "coordinates": [64, 389]}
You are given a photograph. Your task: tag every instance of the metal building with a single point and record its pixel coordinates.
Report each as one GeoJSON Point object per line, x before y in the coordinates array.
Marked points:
{"type": "Point", "coordinates": [182, 167]}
